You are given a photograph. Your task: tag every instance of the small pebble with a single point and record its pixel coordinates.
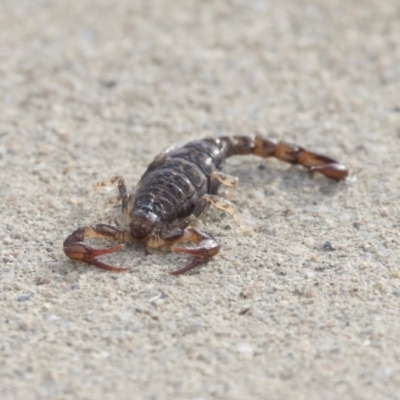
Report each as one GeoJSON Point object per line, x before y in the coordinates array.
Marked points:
{"type": "Point", "coordinates": [48, 293]}
{"type": "Point", "coordinates": [43, 280]}
{"type": "Point", "coordinates": [24, 297]}
{"type": "Point", "coordinates": [245, 349]}
{"type": "Point", "coordinates": [245, 311]}
{"type": "Point", "coordinates": [247, 292]}
{"type": "Point", "coordinates": [396, 274]}
{"type": "Point", "coordinates": [384, 213]}
{"type": "Point", "coordinates": [25, 324]}
{"type": "Point", "coordinates": [328, 246]}
{"type": "Point", "coordinates": [308, 294]}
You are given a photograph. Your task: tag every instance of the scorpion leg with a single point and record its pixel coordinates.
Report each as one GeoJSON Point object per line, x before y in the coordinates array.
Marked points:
{"type": "Point", "coordinates": [219, 177]}
{"type": "Point", "coordinates": [221, 204]}
{"type": "Point", "coordinates": [77, 251]}
{"type": "Point", "coordinates": [126, 200]}
{"type": "Point", "coordinates": [189, 222]}
{"type": "Point", "coordinates": [226, 179]}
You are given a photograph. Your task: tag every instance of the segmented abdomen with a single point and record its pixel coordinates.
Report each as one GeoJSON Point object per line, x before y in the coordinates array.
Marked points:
{"type": "Point", "coordinates": [175, 181]}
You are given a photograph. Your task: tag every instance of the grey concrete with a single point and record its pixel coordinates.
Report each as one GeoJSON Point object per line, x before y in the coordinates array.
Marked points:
{"type": "Point", "coordinates": [92, 89]}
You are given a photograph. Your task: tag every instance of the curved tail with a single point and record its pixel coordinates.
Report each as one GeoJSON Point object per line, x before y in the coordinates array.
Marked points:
{"type": "Point", "coordinates": [288, 152]}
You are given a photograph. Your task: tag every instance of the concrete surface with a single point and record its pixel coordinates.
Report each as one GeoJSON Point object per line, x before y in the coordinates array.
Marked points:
{"type": "Point", "coordinates": [92, 89]}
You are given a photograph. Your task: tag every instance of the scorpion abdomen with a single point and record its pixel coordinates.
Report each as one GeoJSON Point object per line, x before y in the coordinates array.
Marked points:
{"type": "Point", "coordinates": [174, 182]}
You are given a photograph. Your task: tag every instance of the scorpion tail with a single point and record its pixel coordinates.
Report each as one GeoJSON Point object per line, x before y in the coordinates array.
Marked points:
{"type": "Point", "coordinates": [288, 152]}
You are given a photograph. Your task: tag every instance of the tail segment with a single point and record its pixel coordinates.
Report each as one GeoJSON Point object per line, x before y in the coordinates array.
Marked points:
{"type": "Point", "coordinates": [291, 153]}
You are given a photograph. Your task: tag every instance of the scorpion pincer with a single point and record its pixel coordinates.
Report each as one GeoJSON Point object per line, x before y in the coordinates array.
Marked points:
{"type": "Point", "coordinates": [178, 186]}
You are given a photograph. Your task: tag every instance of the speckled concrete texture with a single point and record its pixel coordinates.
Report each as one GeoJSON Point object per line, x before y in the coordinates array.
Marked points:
{"type": "Point", "coordinates": [93, 89]}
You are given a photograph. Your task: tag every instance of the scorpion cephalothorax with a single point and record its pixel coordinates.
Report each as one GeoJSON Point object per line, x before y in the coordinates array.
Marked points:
{"type": "Point", "coordinates": [176, 188]}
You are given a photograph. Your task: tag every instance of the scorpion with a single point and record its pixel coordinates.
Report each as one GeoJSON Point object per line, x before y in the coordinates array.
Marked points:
{"type": "Point", "coordinates": [177, 187]}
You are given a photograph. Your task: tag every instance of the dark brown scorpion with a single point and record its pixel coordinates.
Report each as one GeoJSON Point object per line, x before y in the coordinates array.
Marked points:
{"type": "Point", "coordinates": [176, 189]}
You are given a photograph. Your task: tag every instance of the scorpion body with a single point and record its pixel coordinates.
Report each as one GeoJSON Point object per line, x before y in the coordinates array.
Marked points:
{"type": "Point", "coordinates": [178, 186]}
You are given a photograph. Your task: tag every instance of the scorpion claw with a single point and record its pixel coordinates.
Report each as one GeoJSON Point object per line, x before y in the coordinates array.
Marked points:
{"type": "Point", "coordinates": [78, 251]}
{"type": "Point", "coordinates": [204, 251]}
{"type": "Point", "coordinates": [195, 262]}
{"type": "Point", "coordinates": [83, 253]}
